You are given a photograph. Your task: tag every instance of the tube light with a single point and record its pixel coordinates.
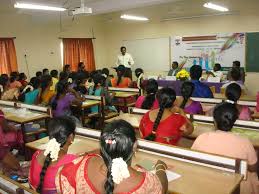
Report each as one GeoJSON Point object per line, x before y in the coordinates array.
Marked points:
{"type": "Point", "coordinates": [215, 7]}
{"type": "Point", "coordinates": [38, 7]}
{"type": "Point", "coordinates": [131, 17]}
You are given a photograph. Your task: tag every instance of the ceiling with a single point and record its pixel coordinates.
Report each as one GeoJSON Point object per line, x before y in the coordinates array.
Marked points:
{"type": "Point", "coordinates": [109, 10]}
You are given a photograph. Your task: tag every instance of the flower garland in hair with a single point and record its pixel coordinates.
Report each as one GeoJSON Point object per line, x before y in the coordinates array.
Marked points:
{"type": "Point", "coordinates": [28, 87]}
{"type": "Point", "coordinates": [1, 88]}
{"type": "Point", "coordinates": [52, 148]}
{"type": "Point", "coordinates": [119, 169]}
{"type": "Point", "coordinates": [230, 101]}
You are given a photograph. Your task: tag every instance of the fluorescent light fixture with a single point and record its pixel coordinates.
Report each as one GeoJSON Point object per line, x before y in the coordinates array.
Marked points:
{"type": "Point", "coordinates": [131, 17]}
{"type": "Point", "coordinates": [215, 7]}
{"type": "Point", "coordinates": [37, 7]}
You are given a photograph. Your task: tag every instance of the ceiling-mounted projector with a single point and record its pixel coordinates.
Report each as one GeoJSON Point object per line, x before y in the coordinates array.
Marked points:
{"type": "Point", "coordinates": [82, 10]}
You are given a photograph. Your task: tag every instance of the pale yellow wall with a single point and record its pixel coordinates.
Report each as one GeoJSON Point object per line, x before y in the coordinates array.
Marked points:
{"type": "Point", "coordinates": [240, 23]}
{"type": "Point", "coordinates": [38, 39]}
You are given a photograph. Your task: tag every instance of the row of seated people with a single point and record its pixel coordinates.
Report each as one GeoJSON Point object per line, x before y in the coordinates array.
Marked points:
{"type": "Point", "coordinates": [108, 170]}
{"type": "Point", "coordinates": [153, 125]}
{"type": "Point", "coordinates": [232, 93]}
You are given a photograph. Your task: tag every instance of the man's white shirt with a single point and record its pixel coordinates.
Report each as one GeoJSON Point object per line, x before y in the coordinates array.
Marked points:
{"type": "Point", "coordinates": [124, 60]}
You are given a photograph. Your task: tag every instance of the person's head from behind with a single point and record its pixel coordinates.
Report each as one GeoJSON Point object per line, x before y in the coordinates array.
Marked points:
{"type": "Point", "coordinates": [67, 68]}
{"type": "Point", "coordinates": [118, 140]}
{"type": "Point", "coordinates": [98, 79]}
{"type": "Point", "coordinates": [39, 74]}
{"type": "Point", "coordinates": [236, 64]}
{"type": "Point", "coordinates": [46, 81]}
{"type": "Point", "coordinates": [63, 76]}
{"type": "Point", "coordinates": [14, 76]}
{"type": "Point", "coordinates": [217, 67]}
{"type": "Point", "coordinates": [187, 89]}
{"type": "Point", "coordinates": [54, 73]}
{"type": "Point", "coordinates": [81, 66]}
{"type": "Point", "coordinates": [196, 72]}
{"type": "Point", "coordinates": [120, 70]}
{"type": "Point", "coordinates": [123, 50]}
{"type": "Point", "coordinates": [4, 80]}
{"type": "Point", "coordinates": [233, 92]}
{"type": "Point", "coordinates": [225, 116]}
{"type": "Point", "coordinates": [45, 71]}
{"type": "Point", "coordinates": [62, 131]}
{"type": "Point", "coordinates": [106, 72]}
{"type": "Point", "coordinates": [151, 90]}
{"type": "Point", "coordinates": [61, 88]}
{"type": "Point", "coordinates": [22, 76]}
{"type": "Point", "coordinates": [166, 98]}
{"type": "Point", "coordinates": [235, 74]}
{"type": "Point", "coordinates": [175, 65]}
{"type": "Point", "coordinates": [35, 82]}
{"type": "Point", "coordinates": [138, 72]}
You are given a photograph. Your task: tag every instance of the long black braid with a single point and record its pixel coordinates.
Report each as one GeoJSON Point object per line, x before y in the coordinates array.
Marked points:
{"type": "Point", "coordinates": [152, 135]}
{"type": "Point", "coordinates": [166, 98]}
{"type": "Point", "coordinates": [61, 88]}
{"type": "Point", "coordinates": [47, 162]}
{"type": "Point", "coordinates": [186, 90]}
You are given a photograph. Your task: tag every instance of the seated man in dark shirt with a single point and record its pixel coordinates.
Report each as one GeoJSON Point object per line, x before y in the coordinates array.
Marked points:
{"type": "Point", "coordinates": [201, 90]}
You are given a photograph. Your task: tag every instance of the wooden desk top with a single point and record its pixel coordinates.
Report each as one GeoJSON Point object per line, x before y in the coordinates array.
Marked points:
{"type": "Point", "coordinates": [199, 128]}
{"type": "Point", "coordinates": [125, 94]}
{"type": "Point", "coordinates": [133, 119]}
{"type": "Point", "coordinates": [21, 117]}
{"type": "Point", "coordinates": [90, 103]}
{"type": "Point", "coordinates": [194, 179]}
{"type": "Point", "coordinates": [256, 115]}
{"type": "Point", "coordinates": [243, 97]}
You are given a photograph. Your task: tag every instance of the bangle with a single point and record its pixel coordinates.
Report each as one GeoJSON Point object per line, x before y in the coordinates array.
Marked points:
{"type": "Point", "coordinates": [160, 165]}
{"type": "Point", "coordinates": [161, 170]}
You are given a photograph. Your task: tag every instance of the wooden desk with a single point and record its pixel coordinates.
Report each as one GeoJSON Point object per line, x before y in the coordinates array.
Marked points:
{"type": "Point", "coordinates": [90, 103]}
{"type": "Point", "coordinates": [133, 119]}
{"type": "Point", "coordinates": [21, 188]}
{"type": "Point", "coordinates": [199, 127]}
{"type": "Point", "coordinates": [194, 179]}
{"type": "Point", "coordinates": [125, 94]}
{"type": "Point", "coordinates": [243, 97]}
{"type": "Point", "coordinates": [23, 117]}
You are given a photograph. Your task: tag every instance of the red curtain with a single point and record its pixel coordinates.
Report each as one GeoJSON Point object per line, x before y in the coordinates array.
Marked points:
{"type": "Point", "coordinates": [8, 59]}
{"type": "Point", "coordinates": [77, 50]}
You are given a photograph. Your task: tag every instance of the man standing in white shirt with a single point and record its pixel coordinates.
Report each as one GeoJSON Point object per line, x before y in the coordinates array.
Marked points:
{"type": "Point", "coordinates": [125, 59]}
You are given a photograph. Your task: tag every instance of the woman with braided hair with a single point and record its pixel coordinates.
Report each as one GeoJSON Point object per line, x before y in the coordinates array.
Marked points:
{"type": "Point", "coordinates": [45, 164]}
{"type": "Point", "coordinates": [166, 124]}
{"type": "Point", "coordinates": [186, 103]}
{"type": "Point", "coordinates": [110, 171]}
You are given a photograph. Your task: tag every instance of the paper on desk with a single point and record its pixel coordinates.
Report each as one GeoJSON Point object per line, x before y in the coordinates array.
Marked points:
{"type": "Point", "coordinates": [171, 176]}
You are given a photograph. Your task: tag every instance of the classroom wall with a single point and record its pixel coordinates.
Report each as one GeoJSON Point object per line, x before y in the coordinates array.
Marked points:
{"type": "Point", "coordinates": [244, 22]}
{"type": "Point", "coordinates": [37, 37]}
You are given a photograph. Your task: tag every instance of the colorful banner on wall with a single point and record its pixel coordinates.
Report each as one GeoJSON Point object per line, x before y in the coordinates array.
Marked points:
{"type": "Point", "coordinates": [208, 50]}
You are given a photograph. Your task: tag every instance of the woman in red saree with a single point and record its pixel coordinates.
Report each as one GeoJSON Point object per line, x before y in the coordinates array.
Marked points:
{"type": "Point", "coordinates": [110, 172]}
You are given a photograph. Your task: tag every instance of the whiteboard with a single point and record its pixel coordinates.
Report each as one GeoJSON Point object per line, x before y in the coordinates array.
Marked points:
{"type": "Point", "coordinates": [151, 54]}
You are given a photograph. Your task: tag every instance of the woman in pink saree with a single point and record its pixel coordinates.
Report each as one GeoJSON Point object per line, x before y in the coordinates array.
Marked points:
{"type": "Point", "coordinates": [45, 164]}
